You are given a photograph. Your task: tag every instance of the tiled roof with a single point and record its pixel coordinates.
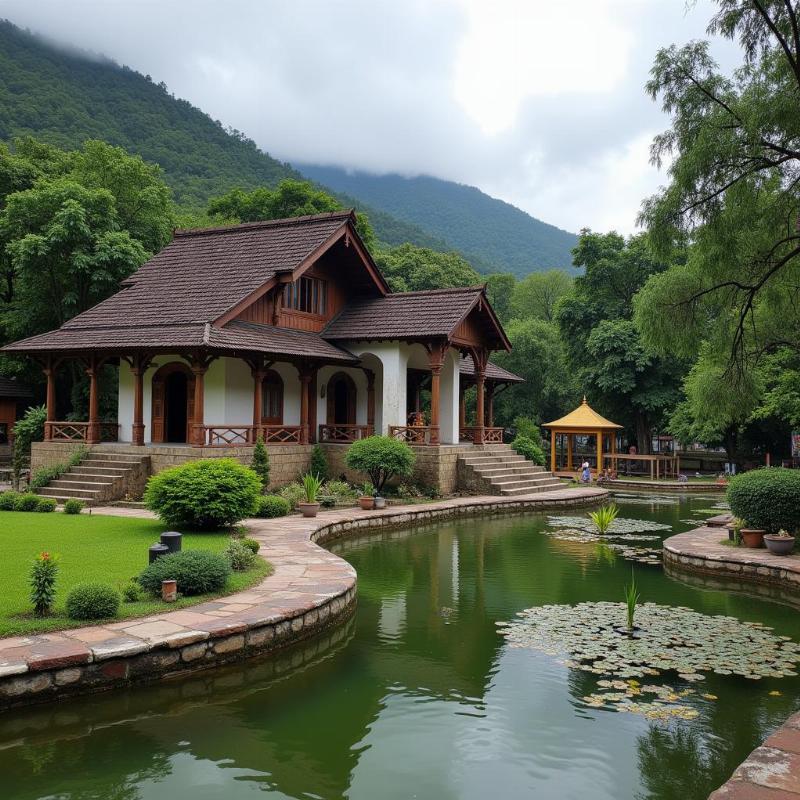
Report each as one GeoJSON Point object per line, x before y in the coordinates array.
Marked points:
{"type": "Point", "coordinates": [584, 417]}
{"type": "Point", "coordinates": [11, 387]}
{"type": "Point", "coordinates": [405, 315]}
{"type": "Point", "coordinates": [108, 338]}
{"type": "Point", "coordinates": [202, 273]}
{"type": "Point", "coordinates": [493, 372]}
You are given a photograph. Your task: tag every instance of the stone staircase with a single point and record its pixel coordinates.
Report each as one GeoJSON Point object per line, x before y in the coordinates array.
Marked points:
{"type": "Point", "coordinates": [101, 477]}
{"type": "Point", "coordinates": [497, 469]}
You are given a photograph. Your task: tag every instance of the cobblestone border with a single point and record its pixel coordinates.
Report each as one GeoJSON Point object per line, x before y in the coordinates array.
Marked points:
{"type": "Point", "coordinates": [660, 486]}
{"type": "Point", "coordinates": [310, 590]}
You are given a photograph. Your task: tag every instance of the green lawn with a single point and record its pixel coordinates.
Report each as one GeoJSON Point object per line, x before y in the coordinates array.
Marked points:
{"type": "Point", "coordinates": [101, 549]}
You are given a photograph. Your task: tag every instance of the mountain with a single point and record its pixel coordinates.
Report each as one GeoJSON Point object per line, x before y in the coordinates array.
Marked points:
{"type": "Point", "coordinates": [486, 230]}
{"type": "Point", "coordinates": [65, 96]}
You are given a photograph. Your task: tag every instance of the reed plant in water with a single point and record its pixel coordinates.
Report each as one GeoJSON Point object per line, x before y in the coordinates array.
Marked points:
{"type": "Point", "coordinates": [632, 598]}
{"type": "Point", "coordinates": [604, 517]}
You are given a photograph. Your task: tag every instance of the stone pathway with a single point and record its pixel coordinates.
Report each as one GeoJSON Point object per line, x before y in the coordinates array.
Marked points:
{"type": "Point", "coordinates": [308, 589]}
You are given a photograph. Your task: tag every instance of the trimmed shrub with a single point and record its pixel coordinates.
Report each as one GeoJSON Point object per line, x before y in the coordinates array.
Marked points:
{"type": "Point", "coordinates": [529, 448]}
{"type": "Point", "coordinates": [8, 501]}
{"type": "Point", "coordinates": [380, 457]}
{"type": "Point", "coordinates": [319, 463]}
{"type": "Point", "coordinates": [73, 506]}
{"type": "Point", "coordinates": [251, 544]}
{"type": "Point", "coordinates": [43, 583]}
{"type": "Point", "coordinates": [767, 498]}
{"type": "Point", "coordinates": [205, 495]}
{"type": "Point", "coordinates": [92, 601]}
{"type": "Point", "coordinates": [293, 494]}
{"type": "Point", "coordinates": [239, 555]}
{"type": "Point", "coordinates": [527, 427]}
{"type": "Point", "coordinates": [27, 502]}
{"type": "Point", "coordinates": [273, 505]}
{"type": "Point", "coordinates": [196, 571]}
{"type": "Point", "coordinates": [46, 505]}
{"type": "Point", "coordinates": [132, 591]}
{"type": "Point", "coordinates": [260, 464]}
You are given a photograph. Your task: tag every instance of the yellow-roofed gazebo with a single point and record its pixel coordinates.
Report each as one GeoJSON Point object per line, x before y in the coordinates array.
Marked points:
{"type": "Point", "coordinates": [582, 435]}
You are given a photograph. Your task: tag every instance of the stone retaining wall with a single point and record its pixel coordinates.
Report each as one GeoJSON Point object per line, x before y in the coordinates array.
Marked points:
{"type": "Point", "coordinates": [310, 590]}
{"type": "Point", "coordinates": [661, 486]}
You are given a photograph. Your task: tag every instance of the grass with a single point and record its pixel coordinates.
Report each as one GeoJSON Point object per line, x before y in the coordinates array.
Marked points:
{"type": "Point", "coordinates": [101, 549]}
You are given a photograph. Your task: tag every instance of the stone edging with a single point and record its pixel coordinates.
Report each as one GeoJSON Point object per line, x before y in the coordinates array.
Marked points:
{"type": "Point", "coordinates": [309, 590]}
{"type": "Point", "coordinates": [674, 487]}
{"type": "Point", "coordinates": [700, 551]}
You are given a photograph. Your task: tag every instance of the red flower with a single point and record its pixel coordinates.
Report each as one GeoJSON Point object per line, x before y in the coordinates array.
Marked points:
{"type": "Point", "coordinates": [45, 556]}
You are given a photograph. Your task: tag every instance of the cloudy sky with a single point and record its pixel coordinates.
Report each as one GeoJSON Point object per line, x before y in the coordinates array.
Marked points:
{"type": "Point", "coordinates": [537, 102]}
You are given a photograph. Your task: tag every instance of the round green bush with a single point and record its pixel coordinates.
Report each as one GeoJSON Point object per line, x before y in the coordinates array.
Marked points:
{"type": "Point", "coordinates": [251, 544]}
{"type": "Point", "coordinates": [239, 555]}
{"type": "Point", "coordinates": [8, 501]}
{"type": "Point", "coordinates": [196, 571]}
{"type": "Point", "coordinates": [92, 601]}
{"type": "Point", "coordinates": [293, 494]}
{"type": "Point", "coordinates": [272, 505]}
{"type": "Point", "coordinates": [27, 502]}
{"type": "Point", "coordinates": [73, 506]}
{"type": "Point", "coordinates": [767, 499]}
{"type": "Point", "coordinates": [46, 505]}
{"type": "Point", "coordinates": [204, 495]}
{"type": "Point", "coordinates": [529, 448]}
{"type": "Point", "coordinates": [381, 458]}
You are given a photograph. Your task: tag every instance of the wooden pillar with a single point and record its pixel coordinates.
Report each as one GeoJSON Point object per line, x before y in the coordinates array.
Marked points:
{"type": "Point", "coordinates": [199, 369]}
{"type": "Point", "coordinates": [490, 405]}
{"type": "Point", "coordinates": [552, 450]}
{"type": "Point", "coordinates": [479, 359]}
{"type": "Point", "coordinates": [50, 374]}
{"type": "Point", "coordinates": [93, 429]}
{"type": "Point", "coordinates": [138, 368]}
{"type": "Point", "coordinates": [258, 398]}
{"type": "Point", "coordinates": [304, 372]}
{"type": "Point", "coordinates": [569, 452]}
{"type": "Point", "coordinates": [370, 401]}
{"type": "Point", "coordinates": [435, 361]}
{"type": "Point", "coordinates": [599, 452]}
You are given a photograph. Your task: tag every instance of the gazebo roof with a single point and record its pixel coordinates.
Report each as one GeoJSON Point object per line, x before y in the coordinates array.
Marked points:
{"type": "Point", "coordinates": [583, 418]}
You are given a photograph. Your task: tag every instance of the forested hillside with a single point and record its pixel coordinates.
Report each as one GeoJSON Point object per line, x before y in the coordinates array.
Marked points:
{"type": "Point", "coordinates": [492, 234]}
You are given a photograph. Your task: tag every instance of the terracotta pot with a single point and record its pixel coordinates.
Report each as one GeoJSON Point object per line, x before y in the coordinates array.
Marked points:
{"type": "Point", "coordinates": [752, 537]}
{"type": "Point", "coordinates": [779, 545]}
{"type": "Point", "coordinates": [366, 503]}
{"type": "Point", "coordinates": [308, 509]}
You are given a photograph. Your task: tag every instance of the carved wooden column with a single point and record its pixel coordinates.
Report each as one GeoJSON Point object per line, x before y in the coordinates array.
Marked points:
{"type": "Point", "coordinates": [199, 368]}
{"type": "Point", "coordinates": [490, 388]}
{"type": "Point", "coordinates": [139, 366]}
{"type": "Point", "coordinates": [305, 373]}
{"type": "Point", "coordinates": [479, 359]}
{"type": "Point", "coordinates": [370, 401]}
{"type": "Point", "coordinates": [435, 361]}
{"type": "Point", "coordinates": [259, 373]}
{"type": "Point", "coordinates": [93, 429]}
{"type": "Point", "coordinates": [50, 374]}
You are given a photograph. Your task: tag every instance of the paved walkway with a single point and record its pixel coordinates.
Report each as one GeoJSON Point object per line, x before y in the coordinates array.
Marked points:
{"type": "Point", "coordinates": [308, 588]}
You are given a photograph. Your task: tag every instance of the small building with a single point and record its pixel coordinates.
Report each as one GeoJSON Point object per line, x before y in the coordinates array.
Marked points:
{"type": "Point", "coordinates": [14, 398]}
{"type": "Point", "coordinates": [283, 329]}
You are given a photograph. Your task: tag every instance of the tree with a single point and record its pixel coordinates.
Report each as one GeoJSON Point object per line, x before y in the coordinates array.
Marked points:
{"type": "Point", "coordinates": [537, 294]}
{"type": "Point", "coordinates": [500, 288]}
{"type": "Point", "coordinates": [409, 268]}
{"type": "Point", "coordinates": [290, 198]}
{"type": "Point", "coordinates": [380, 457]}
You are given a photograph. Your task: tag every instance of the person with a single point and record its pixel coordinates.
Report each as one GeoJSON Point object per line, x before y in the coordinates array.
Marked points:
{"type": "Point", "coordinates": [586, 475]}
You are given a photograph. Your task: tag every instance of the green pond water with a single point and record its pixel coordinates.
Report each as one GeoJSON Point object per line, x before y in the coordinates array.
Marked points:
{"type": "Point", "coordinates": [417, 696]}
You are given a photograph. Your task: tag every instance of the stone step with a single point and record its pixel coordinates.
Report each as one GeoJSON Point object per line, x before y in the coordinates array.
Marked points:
{"type": "Point", "coordinates": [61, 493]}
{"type": "Point", "coordinates": [118, 466]}
{"type": "Point", "coordinates": [508, 469]}
{"type": "Point", "coordinates": [66, 483]}
{"type": "Point", "coordinates": [502, 480]}
{"type": "Point", "coordinates": [516, 483]}
{"type": "Point", "coordinates": [113, 458]}
{"type": "Point", "coordinates": [476, 461]}
{"type": "Point", "coordinates": [544, 487]}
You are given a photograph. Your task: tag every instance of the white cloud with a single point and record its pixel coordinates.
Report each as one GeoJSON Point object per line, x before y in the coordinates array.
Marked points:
{"type": "Point", "coordinates": [539, 103]}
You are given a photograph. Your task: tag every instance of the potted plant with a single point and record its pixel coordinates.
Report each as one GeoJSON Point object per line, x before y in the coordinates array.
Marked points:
{"type": "Point", "coordinates": [752, 537]}
{"type": "Point", "coordinates": [734, 530]}
{"type": "Point", "coordinates": [367, 500]}
{"type": "Point", "coordinates": [780, 543]}
{"type": "Point", "coordinates": [311, 486]}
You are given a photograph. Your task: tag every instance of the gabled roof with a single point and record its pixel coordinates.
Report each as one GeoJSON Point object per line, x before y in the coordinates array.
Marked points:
{"type": "Point", "coordinates": [409, 315]}
{"type": "Point", "coordinates": [583, 418]}
{"type": "Point", "coordinates": [11, 387]}
{"type": "Point", "coordinates": [493, 372]}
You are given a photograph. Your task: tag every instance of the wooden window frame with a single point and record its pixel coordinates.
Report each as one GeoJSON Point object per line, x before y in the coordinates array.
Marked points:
{"type": "Point", "coordinates": [308, 291]}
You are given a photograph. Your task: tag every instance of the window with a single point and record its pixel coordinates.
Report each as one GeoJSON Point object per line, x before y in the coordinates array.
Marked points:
{"type": "Point", "coordinates": [3, 433]}
{"type": "Point", "coordinates": [309, 295]}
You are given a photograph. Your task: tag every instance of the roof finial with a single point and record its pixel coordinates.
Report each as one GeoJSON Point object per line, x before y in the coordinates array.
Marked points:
{"type": "Point", "coordinates": [584, 401]}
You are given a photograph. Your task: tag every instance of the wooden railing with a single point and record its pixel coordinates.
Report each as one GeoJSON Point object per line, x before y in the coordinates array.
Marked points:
{"type": "Point", "coordinates": [490, 435]}
{"type": "Point", "coordinates": [344, 433]}
{"type": "Point", "coordinates": [246, 435]}
{"type": "Point", "coordinates": [79, 431]}
{"type": "Point", "coordinates": [412, 434]}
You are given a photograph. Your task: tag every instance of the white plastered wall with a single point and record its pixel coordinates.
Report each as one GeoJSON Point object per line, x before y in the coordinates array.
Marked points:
{"type": "Point", "coordinates": [389, 362]}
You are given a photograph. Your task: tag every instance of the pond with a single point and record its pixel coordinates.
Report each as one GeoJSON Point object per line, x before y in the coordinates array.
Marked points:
{"type": "Point", "coordinates": [419, 696]}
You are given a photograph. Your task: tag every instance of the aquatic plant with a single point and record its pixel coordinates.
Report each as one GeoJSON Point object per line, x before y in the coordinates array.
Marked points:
{"type": "Point", "coordinates": [604, 517]}
{"type": "Point", "coordinates": [632, 598]}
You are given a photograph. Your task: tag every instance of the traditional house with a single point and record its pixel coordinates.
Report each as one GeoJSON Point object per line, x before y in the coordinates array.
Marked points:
{"type": "Point", "coordinates": [284, 329]}
{"type": "Point", "coordinates": [14, 397]}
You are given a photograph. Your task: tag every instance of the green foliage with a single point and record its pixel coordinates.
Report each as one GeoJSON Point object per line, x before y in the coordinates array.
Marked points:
{"type": "Point", "coordinates": [27, 430]}
{"type": "Point", "coordinates": [632, 598]}
{"type": "Point", "coordinates": [604, 518]}
{"type": "Point", "coordinates": [196, 572]}
{"type": "Point", "coordinates": [527, 428]}
{"type": "Point", "coordinates": [319, 463]}
{"type": "Point", "coordinates": [293, 494]}
{"type": "Point", "coordinates": [380, 457]}
{"type": "Point", "coordinates": [767, 499]}
{"type": "Point", "coordinates": [252, 544]}
{"type": "Point", "coordinates": [340, 491]}
{"type": "Point", "coordinates": [537, 295]}
{"type": "Point", "coordinates": [132, 591]}
{"type": "Point", "coordinates": [8, 500]}
{"type": "Point", "coordinates": [409, 268]}
{"type": "Point", "coordinates": [43, 583]}
{"type": "Point", "coordinates": [530, 448]}
{"type": "Point", "coordinates": [311, 486]}
{"type": "Point", "coordinates": [239, 555]}
{"type": "Point", "coordinates": [92, 601]}
{"type": "Point", "coordinates": [205, 494]}
{"type": "Point", "coordinates": [46, 505]}
{"type": "Point", "coordinates": [272, 505]}
{"type": "Point", "coordinates": [27, 502]}
{"type": "Point", "coordinates": [500, 290]}
{"type": "Point", "coordinates": [260, 464]}
{"type": "Point", "coordinates": [44, 475]}
{"type": "Point", "coordinates": [73, 506]}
